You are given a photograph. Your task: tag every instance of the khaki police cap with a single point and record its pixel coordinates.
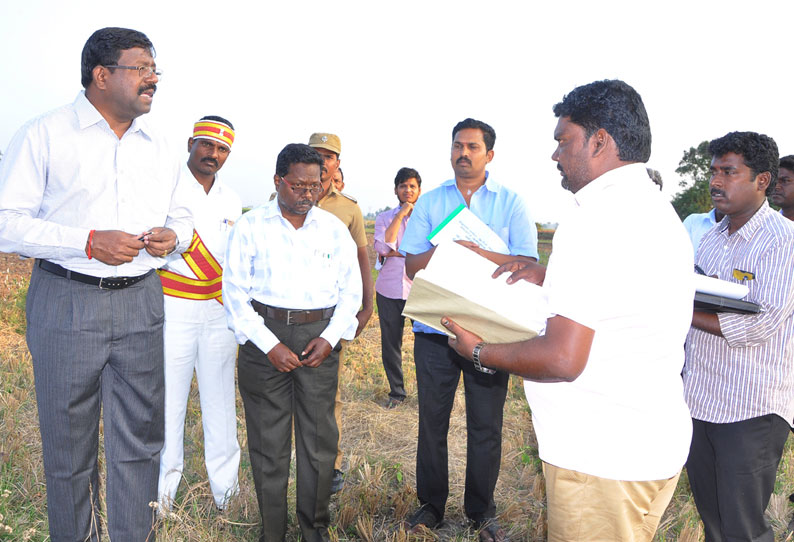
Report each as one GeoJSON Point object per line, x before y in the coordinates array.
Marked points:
{"type": "Point", "coordinates": [326, 141]}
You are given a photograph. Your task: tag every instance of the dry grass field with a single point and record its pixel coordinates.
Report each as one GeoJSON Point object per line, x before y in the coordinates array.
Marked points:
{"type": "Point", "coordinates": [379, 448]}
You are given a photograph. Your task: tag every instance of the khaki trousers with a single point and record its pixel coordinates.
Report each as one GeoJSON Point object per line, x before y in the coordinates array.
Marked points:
{"type": "Point", "coordinates": [584, 507]}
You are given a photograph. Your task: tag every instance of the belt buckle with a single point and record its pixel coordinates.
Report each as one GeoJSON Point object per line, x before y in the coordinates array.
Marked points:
{"type": "Point", "coordinates": [289, 317]}
{"type": "Point", "coordinates": [100, 284]}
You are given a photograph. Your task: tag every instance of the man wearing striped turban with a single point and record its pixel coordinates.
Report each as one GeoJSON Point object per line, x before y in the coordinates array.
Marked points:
{"type": "Point", "coordinates": [195, 332]}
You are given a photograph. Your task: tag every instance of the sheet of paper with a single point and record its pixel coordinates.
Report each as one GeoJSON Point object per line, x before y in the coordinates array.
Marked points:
{"type": "Point", "coordinates": [463, 224]}
{"type": "Point", "coordinates": [457, 283]}
{"type": "Point", "coordinates": [724, 288]}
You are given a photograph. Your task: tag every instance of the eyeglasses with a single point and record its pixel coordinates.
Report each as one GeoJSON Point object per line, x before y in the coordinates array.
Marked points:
{"type": "Point", "coordinates": [144, 72]}
{"type": "Point", "coordinates": [301, 188]}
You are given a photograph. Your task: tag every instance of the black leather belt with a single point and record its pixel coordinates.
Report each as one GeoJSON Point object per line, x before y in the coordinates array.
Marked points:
{"type": "Point", "coordinates": [293, 316]}
{"type": "Point", "coordinates": [104, 283]}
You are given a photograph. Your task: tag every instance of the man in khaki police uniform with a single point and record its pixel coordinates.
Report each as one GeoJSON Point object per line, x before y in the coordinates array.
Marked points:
{"type": "Point", "coordinates": [347, 210]}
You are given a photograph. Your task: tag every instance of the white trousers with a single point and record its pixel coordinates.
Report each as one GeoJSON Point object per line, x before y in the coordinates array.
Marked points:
{"type": "Point", "coordinates": [196, 337]}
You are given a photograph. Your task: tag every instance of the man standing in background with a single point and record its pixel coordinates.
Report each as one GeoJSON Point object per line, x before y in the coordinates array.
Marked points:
{"type": "Point", "coordinates": [339, 180]}
{"type": "Point", "coordinates": [195, 332]}
{"type": "Point", "coordinates": [393, 285]}
{"type": "Point", "coordinates": [783, 193]}
{"type": "Point", "coordinates": [347, 210]}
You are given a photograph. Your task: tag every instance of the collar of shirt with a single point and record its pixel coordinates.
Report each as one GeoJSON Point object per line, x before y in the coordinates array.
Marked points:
{"type": "Point", "coordinates": [88, 115]}
{"type": "Point", "coordinates": [490, 185]}
{"type": "Point", "coordinates": [217, 185]}
{"type": "Point", "coordinates": [629, 173]}
{"type": "Point", "coordinates": [271, 209]}
{"type": "Point", "coordinates": [747, 231]}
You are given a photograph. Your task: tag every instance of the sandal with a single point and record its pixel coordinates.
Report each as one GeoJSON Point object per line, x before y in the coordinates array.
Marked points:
{"type": "Point", "coordinates": [490, 531]}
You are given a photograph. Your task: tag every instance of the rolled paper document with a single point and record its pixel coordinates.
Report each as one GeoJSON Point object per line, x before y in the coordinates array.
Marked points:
{"type": "Point", "coordinates": [724, 288]}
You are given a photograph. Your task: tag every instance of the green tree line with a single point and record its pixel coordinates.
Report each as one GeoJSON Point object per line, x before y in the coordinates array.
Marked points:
{"type": "Point", "coordinates": [694, 170]}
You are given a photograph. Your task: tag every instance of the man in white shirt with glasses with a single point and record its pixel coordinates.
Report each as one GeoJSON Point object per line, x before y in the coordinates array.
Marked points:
{"type": "Point", "coordinates": [93, 193]}
{"type": "Point", "coordinates": [291, 288]}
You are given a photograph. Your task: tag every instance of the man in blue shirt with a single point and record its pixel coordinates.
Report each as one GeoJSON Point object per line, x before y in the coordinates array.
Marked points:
{"type": "Point", "coordinates": [438, 366]}
{"type": "Point", "coordinates": [697, 224]}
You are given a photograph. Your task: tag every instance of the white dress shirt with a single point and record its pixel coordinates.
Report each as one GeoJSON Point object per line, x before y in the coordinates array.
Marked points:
{"type": "Point", "coordinates": [66, 173]}
{"type": "Point", "coordinates": [629, 400]}
{"type": "Point", "coordinates": [214, 214]}
{"type": "Point", "coordinates": [312, 267]}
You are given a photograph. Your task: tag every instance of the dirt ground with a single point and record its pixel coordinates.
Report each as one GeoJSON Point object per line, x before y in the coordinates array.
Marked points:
{"type": "Point", "coordinates": [14, 266]}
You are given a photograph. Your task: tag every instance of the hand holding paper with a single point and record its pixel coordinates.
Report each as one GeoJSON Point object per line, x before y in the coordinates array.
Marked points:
{"type": "Point", "coordinates": [462, 224]}
{"type": "Point", "coordinates": [459, 284]}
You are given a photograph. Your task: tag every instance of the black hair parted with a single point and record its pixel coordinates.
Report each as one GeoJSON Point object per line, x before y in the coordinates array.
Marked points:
{"type": "Point", "coordinates": [406, 173]}
{"type": "Point", "coordinates": [616, 107]}
{"type": "Point", "coordinates": [296, 153]}
{"type": "Point", "coordinates": [104, 48]}
{"type": "Point", "coordinates": [216, 118]}
{"type": "Point", "coordinates": [488, 133]}
{"type": "Point", "coordinates": [787, 162]}
{"type": "Point", "coordinates": [759, 152]}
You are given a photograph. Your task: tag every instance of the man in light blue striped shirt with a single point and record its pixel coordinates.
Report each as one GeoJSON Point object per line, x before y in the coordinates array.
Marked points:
{"type": "Point", "coordinates": [739, 375]}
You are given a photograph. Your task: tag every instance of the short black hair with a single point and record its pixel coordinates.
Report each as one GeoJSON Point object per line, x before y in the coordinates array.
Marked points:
{"type": "Point", "coordinates": [617, 108]}
{"type": "Point", "coordinates": [488, 133]}
{"type": "Point", "coordinates": [105, 46]}
{"type": "Point", "coordinates": [406, 173]}
{"type": "Point", "coordinates": [216, 118]}
{"type": "Point", "coordinates": [759, 152]}
{"type": "Point", "coordinates": [296, 153]}
{"type": "Point", "coordinates": [787, 162]}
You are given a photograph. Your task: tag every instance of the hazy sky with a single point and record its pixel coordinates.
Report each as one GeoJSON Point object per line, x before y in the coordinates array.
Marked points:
{"type": "Point", "coordinates": [393, 79]}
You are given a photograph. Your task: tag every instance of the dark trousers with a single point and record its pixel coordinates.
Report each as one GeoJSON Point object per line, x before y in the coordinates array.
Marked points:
{"type": "Point", "coordinates": [95, 349]}
{"type": "Point", "coordinates": [731, 470]}
{"type": "Point", "coordinates": [272, 399]}
{"type": "Point", "coordinates": [438, 369]}
{"type": "Point", "coordinates": [392, 322]}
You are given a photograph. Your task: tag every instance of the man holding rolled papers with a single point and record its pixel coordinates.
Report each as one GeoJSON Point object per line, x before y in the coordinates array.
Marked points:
{"type": "Point", "coordinates": [607, 370]}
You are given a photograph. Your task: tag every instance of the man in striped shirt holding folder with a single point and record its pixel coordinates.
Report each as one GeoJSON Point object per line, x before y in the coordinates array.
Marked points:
{"type": "Point", "coordinates": [739, 375]}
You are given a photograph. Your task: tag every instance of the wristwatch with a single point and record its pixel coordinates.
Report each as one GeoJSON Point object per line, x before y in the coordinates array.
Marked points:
{"type": "Point", "coordinates": [475, 357]}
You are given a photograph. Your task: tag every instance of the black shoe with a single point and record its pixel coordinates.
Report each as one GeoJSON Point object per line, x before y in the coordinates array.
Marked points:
{"type": "Point", "coordinates": [423, 517]}
{"type": "Point", "coordinates": [338, 481]}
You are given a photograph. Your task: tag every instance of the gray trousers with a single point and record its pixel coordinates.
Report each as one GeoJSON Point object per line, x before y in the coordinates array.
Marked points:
{"type": "Point", "coordinates": [272, 399]}
{"type": "Point", "coordinates": [98, 349]}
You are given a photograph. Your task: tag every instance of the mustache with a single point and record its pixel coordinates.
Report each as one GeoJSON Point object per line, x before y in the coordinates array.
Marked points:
{"type": "Point", "coordinates": [463, 159]}
{"type": "Point", "coordinates": [143, 89]}
{"type": "Point", "coordinates": [212, 161]}
{"type": "Point", "coordinates": [716, 192]}
{"type": "Point", "coordinates": [560, 168]}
